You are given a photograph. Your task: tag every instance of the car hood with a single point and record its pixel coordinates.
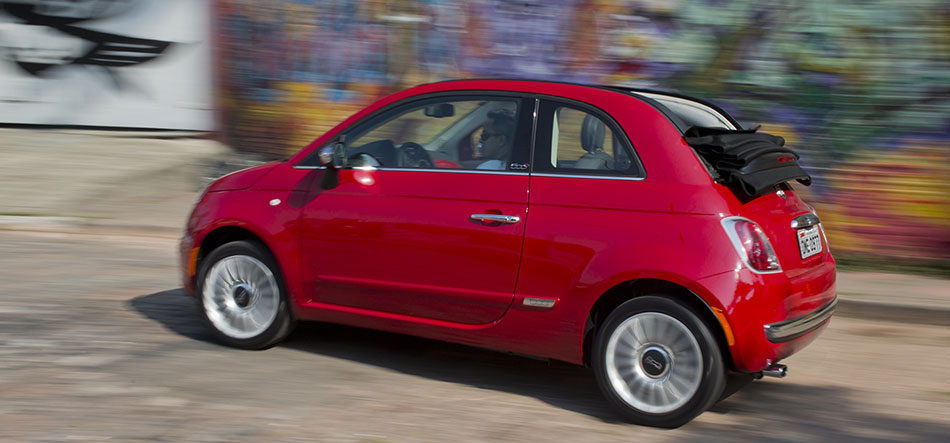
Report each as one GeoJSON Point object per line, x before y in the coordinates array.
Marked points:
{"type": "Point", "coordinates": [242, 179]}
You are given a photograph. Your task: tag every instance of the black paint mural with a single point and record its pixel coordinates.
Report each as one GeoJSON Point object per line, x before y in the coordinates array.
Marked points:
{"type": "Point", "coordinates": [107, 51]}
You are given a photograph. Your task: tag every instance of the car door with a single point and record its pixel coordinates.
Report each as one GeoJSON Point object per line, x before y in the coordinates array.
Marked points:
{"type": "Point", "coordinates": [589, 202]}
{"type": "Point", "coordinates": [417, 226]}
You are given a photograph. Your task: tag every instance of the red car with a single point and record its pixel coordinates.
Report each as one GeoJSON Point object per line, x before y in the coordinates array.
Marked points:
{"type": "Point", "coordinates": [643, 233]}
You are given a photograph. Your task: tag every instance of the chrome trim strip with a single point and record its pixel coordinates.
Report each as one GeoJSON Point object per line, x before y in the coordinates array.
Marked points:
{"type": "Point", "coordinates": [534, 132]}
{"type": "Point", "coordinates": [456, 171]}
{"type": "Point", "coordinates": [595, 177]}
{"type": "Point", "coordinates": [474, 171]}
{"type": "Point", "coordinates": [500, 218]}
{"type": "Point", "coordinates": [791, 329]}
{"type": "Point", "coordinates": [805, 221]}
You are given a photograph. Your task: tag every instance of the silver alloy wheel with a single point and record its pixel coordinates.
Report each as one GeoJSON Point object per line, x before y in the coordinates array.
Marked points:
{"type": "Point", "coordinates": [240, 296]}
{"type": "Point", "coordinates": [654, 362]}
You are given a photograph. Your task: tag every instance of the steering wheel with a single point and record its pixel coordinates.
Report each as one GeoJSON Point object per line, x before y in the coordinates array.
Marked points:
{"type": "Point", "coordinates": [413, 155]}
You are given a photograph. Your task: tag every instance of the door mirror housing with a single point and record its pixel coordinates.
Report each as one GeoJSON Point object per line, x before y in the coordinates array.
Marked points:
{"type": "Point", "coordinates": [333, 158]}
{"type": "Point", "coordinates": [326, 156]}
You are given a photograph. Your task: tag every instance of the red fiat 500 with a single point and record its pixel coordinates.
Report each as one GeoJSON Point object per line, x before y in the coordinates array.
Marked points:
{"type": "Point", "coordinates": [642, 233]}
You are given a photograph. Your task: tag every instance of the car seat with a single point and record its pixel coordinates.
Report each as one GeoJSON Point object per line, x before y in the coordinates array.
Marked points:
{"type": "Point", "coordinates": [593, 133]}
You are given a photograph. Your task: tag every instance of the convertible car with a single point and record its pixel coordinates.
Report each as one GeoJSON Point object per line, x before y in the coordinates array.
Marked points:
{"type": "Point", "coordinates": [643, 233]}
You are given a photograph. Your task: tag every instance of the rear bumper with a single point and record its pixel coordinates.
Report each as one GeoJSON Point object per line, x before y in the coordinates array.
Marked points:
{"type": "Point", "coordinates": [784, 331]}
{"type": "Point", "coordinates": [772, 316]}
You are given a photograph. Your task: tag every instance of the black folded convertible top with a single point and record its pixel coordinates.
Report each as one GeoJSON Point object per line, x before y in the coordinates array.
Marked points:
{"type": "Point", "coordinates": [753, 162]}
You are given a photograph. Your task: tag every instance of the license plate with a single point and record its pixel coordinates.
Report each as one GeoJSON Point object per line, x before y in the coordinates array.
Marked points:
{"type": "Point", "coordinates": [809, 241]}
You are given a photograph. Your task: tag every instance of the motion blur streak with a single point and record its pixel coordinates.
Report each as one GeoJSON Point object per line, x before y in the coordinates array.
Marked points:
{"type": "Point", "coordinates": [859, 87]}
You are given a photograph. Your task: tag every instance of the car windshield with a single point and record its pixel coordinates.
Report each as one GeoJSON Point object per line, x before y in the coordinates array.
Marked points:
{"type": "Point", "coordinates": [693, 113]}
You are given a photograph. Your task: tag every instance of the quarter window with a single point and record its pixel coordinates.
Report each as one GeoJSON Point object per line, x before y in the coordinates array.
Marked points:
{"type": "Point", "coordinates": [583, 142]}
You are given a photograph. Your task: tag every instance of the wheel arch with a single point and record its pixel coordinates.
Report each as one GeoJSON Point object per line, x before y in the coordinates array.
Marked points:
{"type": "Point", "coordinates": [223, 235]}
{"type": "Point", "coordinates": [631, 289]}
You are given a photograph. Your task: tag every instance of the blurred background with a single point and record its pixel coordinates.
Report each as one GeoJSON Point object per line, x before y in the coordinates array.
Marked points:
{"type": "Point", "coordinates": [861, 88]}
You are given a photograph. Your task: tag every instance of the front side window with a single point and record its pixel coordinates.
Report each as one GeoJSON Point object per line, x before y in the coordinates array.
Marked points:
{"type": "Point", "coordinates": [438, 133]}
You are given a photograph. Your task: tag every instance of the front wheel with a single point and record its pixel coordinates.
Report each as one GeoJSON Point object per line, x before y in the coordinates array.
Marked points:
{"type": "Point", "coordinates": [658, 362]}
{"type": "Point", "coordinates": [242, 297]}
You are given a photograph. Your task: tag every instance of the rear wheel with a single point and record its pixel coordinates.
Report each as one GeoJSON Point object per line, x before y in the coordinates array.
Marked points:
{"type": "Point", "coordinates": [242, 297]}
{"type": "Point", "coordinates": [658, 362]}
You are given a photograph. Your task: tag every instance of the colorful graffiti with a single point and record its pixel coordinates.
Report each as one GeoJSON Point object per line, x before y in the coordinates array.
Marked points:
{"type": "Point", "coordinates": [860, 87]}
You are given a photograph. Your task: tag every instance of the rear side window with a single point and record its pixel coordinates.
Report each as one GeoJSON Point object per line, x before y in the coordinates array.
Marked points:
{"type": "Point", "coordinates": [582, 141]}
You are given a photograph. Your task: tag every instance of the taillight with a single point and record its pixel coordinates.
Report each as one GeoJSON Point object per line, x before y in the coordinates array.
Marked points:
{"type": "Point", "coordinates": [752, 244]}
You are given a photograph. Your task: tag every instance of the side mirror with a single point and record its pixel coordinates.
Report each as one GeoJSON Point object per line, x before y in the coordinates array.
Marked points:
{"type": "Point", "coordinates": [440, 110]}
{"type": "Point", "coordinates": [332, 157]}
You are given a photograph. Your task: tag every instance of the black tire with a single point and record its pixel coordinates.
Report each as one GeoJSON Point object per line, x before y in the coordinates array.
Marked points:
{"type": "Point", "coordinates": [657, 362]}
{"type": "Point", "coordinates": [260, 290]}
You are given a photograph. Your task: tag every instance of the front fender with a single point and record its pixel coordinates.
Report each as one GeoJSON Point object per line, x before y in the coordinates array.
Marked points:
{"type": "Point", "coordinates": [265, 215]}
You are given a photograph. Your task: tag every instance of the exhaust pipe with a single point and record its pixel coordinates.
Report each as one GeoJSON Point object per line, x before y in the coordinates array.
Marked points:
{"type": "Point", "coordinates": [776, 370]}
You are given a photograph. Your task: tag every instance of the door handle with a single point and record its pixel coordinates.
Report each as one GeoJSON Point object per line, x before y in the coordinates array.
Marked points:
{"type": "Point", "coordinates": [496, 218]}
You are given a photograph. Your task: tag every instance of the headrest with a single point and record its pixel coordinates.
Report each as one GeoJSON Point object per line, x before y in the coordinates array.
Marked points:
{"type": "Point", "coordinates": [592, 134]}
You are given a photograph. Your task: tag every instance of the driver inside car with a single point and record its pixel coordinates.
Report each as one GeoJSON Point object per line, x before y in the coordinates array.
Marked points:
{"type": "Point", "coordinates": [494, 143]}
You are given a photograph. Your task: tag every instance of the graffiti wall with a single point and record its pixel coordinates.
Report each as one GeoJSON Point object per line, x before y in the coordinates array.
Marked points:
{"type": "Point", "coordinates": [115, 63]}
{"type": "Point", "coordinates": [860, 87]}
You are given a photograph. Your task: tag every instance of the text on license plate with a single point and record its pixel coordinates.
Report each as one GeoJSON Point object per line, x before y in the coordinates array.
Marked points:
{"type": "Point", "coordinates": [809, 241]}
